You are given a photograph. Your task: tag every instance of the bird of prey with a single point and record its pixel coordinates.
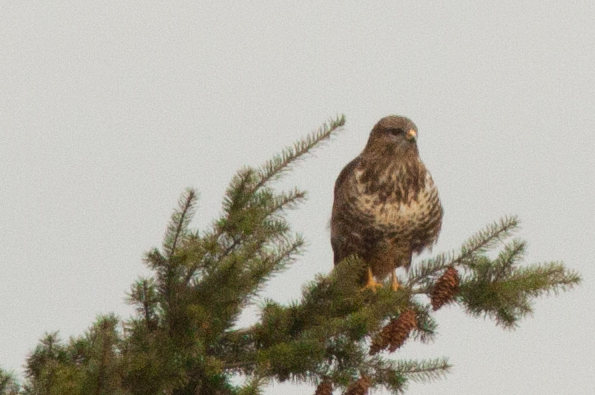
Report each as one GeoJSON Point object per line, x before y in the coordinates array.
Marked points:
{"type": "Point", "coordinates": [386, 206]}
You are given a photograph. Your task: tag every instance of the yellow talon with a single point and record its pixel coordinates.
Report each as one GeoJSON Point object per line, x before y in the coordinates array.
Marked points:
{"type": "Point", "coordinates": [371, 283]}
{"type": "Point", "coordinates": [394, 281]}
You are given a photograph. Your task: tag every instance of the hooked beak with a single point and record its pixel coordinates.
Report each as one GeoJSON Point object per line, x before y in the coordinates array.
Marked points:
{"type": "Point", "coordinates": [412, 135]}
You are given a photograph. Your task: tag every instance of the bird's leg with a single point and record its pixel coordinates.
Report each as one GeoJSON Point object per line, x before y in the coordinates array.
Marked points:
{"type": "Point", "coordinates": [394, 281]}
{"type": "Point", "coordinates": [371, 283]}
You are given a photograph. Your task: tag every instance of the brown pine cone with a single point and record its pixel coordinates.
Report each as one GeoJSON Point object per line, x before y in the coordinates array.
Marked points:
{"type": "Point", "coordinates": [360, 387]}
{"type": "Point", "coordinates": [446, 288]}
{"type": "Point", "coordinates": [324, 388]}
{"type": "Point", "coordinates": [394, 334]}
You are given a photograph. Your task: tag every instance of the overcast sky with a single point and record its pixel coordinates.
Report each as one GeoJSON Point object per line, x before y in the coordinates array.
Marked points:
{"type": "Point", "coordinates": [108, 110]}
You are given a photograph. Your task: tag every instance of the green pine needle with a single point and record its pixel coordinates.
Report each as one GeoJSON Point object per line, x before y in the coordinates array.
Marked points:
{"type": "Point", "coordinates": [279, 164]}
{"type": "Point", "coordinates": [180, 221]}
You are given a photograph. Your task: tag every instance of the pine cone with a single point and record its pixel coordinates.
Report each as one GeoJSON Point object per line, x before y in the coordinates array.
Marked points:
{"type": "Point", "coordinates": [394, 334]}
{"type": "Point", "coordinates": [446, 288]}
{"type": "Point", "coordinates": [360, 387]}
{"type": "Point", "coordinates": [324, 388]}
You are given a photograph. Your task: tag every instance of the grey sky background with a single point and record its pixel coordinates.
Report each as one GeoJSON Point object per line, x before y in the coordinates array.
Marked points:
{"type": "Point", "coordinates": [108, 110]}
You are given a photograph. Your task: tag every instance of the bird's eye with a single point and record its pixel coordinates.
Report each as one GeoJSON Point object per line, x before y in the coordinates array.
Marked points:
{"type": "Point", "coordinates": [396, 131]}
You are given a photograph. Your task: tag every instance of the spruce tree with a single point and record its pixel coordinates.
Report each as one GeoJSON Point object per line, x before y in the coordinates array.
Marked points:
{"type": "Point", "coordinates": [183, 339]}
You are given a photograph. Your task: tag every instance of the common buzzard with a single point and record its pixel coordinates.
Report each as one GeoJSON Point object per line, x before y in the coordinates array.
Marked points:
{"type": "Point", "coordinates": [386, 206]}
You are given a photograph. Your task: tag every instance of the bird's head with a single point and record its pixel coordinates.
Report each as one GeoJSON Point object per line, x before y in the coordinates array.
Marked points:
{"type": "Point", "coordinates": [393, 135]}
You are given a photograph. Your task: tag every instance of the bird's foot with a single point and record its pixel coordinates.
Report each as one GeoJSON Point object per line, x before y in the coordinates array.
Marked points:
{"type": "Point", "coordinates": [373, 285]}
{"type": "Point", "coordinates": [371, 282]}
{"type": "Point", "coordinates": [394, 282]}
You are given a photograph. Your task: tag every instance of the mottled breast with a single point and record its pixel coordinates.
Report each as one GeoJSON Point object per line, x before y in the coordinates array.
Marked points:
{"type": "Point", "coordinates": [402, 200]}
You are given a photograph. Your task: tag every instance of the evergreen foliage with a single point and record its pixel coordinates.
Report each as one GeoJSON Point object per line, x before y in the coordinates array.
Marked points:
{"type": "Point", "coordinates": [183, 339]}
{"type": "Point", "coordinates": [8, 384]}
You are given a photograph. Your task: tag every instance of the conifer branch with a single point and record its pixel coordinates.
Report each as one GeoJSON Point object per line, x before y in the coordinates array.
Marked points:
{"type": "Point", "coordinates": [8, 383]}
{"type": "Point", "coordinates": [508, 298]}
{"type": "Point", "coordinates": [425, 370]}
{"type": "Point", "coordinates": [180, 220]}
{"type": "Point", "coordinates": [394, 375]}
{"type": "Point", "coordinates": [511, 254]}
{"type": "Point", "coordinates": [279, 164]}
{"type": "Point", "coordinates": [286, 201]}
{"type": "Point", "coordinates": [253, 386]}
{"type": "Point", "coordinates": [487, 238]}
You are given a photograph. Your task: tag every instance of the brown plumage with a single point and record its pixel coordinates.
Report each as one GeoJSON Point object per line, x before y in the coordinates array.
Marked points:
{"type": "Point", "coordinates": [386, 206]}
